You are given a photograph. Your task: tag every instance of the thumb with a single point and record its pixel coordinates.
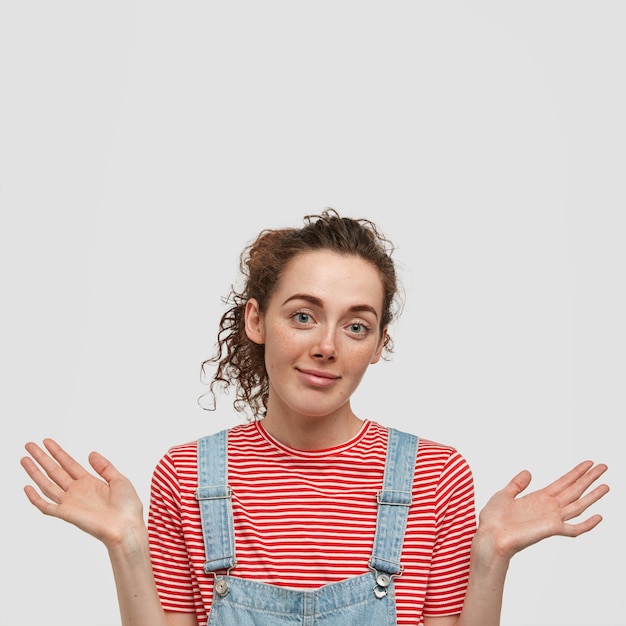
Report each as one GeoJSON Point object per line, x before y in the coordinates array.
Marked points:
{"type": "Point", "coordinates": [518, 483]}
{"type": "Point", "coordinates": [103, 467]}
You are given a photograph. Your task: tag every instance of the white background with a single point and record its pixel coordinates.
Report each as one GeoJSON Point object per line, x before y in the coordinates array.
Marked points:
{"type": "Point", "coordinates": [145, 143]}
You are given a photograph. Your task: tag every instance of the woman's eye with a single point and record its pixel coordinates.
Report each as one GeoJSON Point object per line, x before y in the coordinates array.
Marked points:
{"type": "Point", "coordinates": [358, 329]}
{"type": "Point", "coordinates": [303, 318]}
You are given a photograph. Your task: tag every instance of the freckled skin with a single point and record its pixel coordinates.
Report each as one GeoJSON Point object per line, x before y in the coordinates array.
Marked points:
{"type": "Point", "coordinates": [321, 331]}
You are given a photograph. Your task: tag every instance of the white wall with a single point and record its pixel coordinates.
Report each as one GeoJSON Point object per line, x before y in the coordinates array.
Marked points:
{"type": "Point", "coordinates": [144, 144]}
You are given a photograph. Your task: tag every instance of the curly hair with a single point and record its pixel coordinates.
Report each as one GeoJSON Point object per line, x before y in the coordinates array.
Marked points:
{"type": "Point", "coordinates": [240, 361]}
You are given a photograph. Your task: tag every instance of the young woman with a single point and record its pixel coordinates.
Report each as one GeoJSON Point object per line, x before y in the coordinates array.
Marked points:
{"type": "Point", "coordinates": [306, 514]}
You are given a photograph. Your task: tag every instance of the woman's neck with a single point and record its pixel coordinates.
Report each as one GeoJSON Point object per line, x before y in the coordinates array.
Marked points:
{"type": "Point", "coordinates": [312, 432]}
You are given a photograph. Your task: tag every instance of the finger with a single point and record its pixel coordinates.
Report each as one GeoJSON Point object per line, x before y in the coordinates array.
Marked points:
{"type": "Point", "coordinates": [103, 467]}
{"type": "Point", "coordinates": [55, 469]}
{"type": "Point", "coordinates": [574, 492]}
{"type": "Point", "coordinates": [568, 479]}
{"type": "Point", "coordinates": [47, 508]}
{"type": "Point", "coordinates": [518, 483]}
{"type": "Point", "coordinates": [49, 489]}
{"type": "Point", "coordinates": [574, 530]}
{"type": "Point", "coordinates": [580, 505]}
{"type": "Point", "coordinates": [66, 461]}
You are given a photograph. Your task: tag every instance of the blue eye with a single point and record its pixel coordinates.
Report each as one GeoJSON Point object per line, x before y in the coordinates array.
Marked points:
{"type": "Point", "coordinates": [358, 329]}
{"type": "Point", "coordinates": [303, 318]}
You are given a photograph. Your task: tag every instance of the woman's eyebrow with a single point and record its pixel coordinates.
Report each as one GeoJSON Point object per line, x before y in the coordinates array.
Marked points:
{"type": "Point", "coordinates": [306, 297]}
{"type": "Point", "coordinates": [364, 307]}
{"type": "Point", "coordinates": [318, 302]}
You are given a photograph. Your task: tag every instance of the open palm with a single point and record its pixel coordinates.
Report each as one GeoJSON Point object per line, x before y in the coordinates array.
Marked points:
{"type": "Point", "coordinates": [514, 522]}
{"type": "Point", "coordinates": [103, 506]}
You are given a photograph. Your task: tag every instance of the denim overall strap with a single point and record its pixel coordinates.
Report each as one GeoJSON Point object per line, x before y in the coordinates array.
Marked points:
{"type": "Point", "coordinates": [394, 501]}
{"type": "Point", "coordinates": [215, 499]}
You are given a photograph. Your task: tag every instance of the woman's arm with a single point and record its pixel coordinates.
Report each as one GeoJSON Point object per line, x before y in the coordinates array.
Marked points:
{"type": "Point", "coordinates": [108, 508]}
{"type": "Point", "coordinates": [508, 524]}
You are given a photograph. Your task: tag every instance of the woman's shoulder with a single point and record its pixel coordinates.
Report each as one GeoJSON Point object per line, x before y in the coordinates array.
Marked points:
{"type": "Point", "coordinates": [436, 447]}
{"type": "Point", "coordinates": [424, 443]}
{"type": "Point", "coordinates": [435, 455]}
{"type": "Point", "coordinates": [189, 449]}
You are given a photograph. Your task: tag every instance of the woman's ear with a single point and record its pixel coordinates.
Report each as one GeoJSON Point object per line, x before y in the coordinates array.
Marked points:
{"type": "Point", "coordinates": [379, 348]}
{"type": "Point", "coordinates": [254, 322]}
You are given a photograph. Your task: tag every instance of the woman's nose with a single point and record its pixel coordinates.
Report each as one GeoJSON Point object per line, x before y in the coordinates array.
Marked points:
{"type": "Point", "coordinates": [325, 348]}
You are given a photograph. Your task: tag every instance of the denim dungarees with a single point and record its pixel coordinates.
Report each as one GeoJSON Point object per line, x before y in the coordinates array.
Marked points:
{"type": "Point", "coordinates": [356, 601]}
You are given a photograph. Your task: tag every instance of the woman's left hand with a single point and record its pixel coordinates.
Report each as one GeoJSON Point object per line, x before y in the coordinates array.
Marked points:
{"type": "Point", "coordinates": [508, 523]}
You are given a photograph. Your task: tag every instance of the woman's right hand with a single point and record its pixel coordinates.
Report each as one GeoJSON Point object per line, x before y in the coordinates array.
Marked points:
{"type": "Point", "coordinates": [105, 506]}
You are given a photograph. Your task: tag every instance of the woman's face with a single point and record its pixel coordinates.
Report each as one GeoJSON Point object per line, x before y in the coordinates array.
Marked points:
{"type": "Point", "coordinates": [321, 330]}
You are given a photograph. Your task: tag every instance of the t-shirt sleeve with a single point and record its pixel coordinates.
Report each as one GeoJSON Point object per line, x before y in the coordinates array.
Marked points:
{"type": "Point", "coordinates": [455, 525]}
{"type": "Point", "coordinates": [168, 550]}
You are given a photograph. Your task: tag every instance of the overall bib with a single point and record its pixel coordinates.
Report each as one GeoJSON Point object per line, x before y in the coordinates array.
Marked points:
{"type": "Point", "coordinates": [356, 601]}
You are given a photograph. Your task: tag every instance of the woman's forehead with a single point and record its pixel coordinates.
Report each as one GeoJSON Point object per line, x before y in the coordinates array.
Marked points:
{"type": "Point", "coordinates": [327, 274]}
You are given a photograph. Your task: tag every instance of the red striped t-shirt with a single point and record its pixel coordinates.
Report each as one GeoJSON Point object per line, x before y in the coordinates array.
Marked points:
{"type": "Point", "coordinates": [307, 518]}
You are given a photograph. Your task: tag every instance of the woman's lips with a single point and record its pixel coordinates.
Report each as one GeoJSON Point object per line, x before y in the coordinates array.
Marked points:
{"type": "Point", "coordinates": [318, 378]}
